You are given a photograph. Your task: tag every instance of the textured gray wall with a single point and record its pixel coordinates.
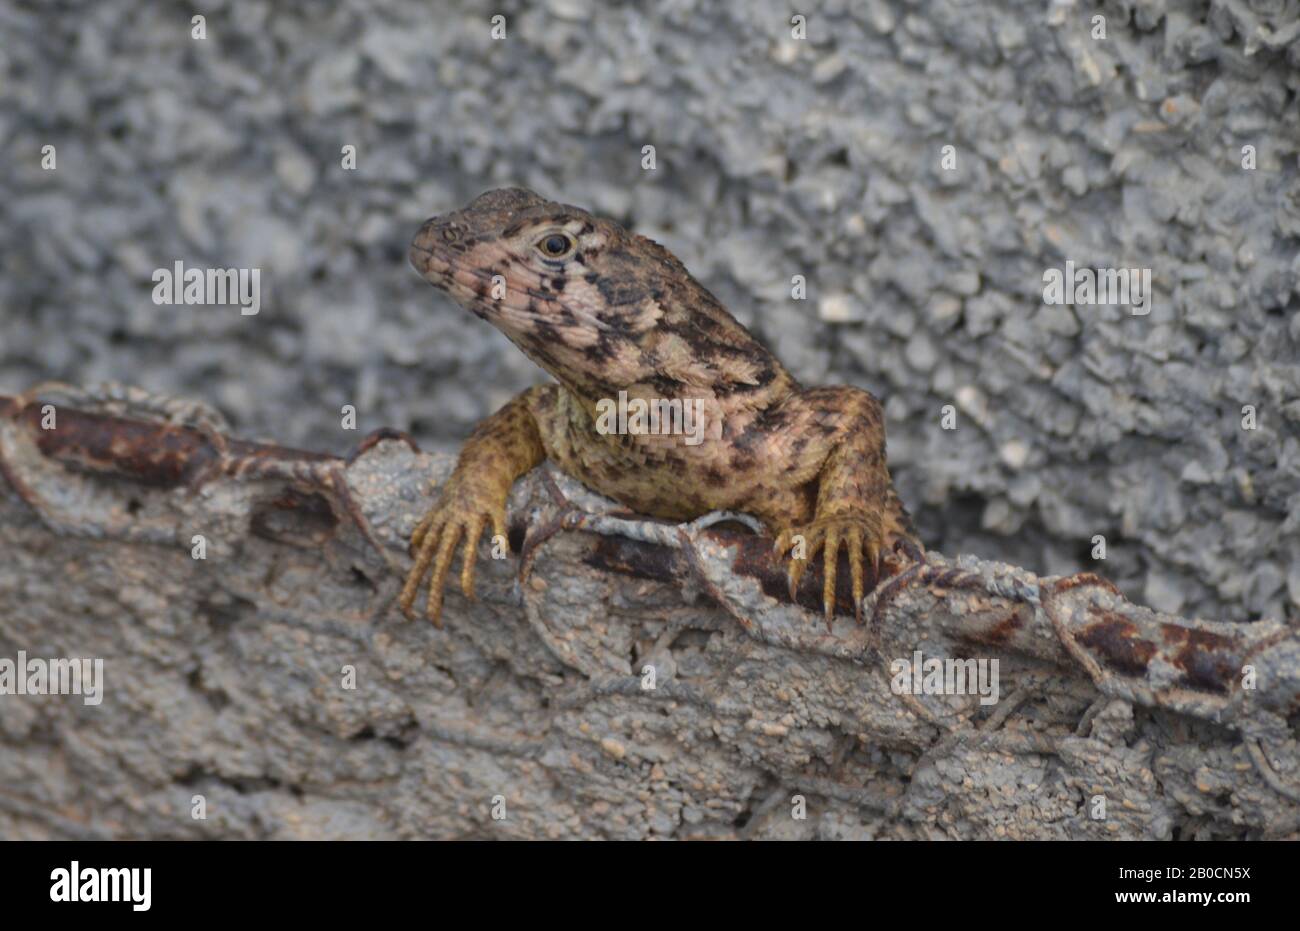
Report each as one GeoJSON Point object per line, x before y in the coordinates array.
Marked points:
{"type": "Point", "coordinates": [775, 157]}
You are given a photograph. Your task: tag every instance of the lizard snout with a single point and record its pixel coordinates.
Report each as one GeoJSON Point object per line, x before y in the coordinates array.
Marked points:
{"type": "Point", "coordinates": [428, 252]}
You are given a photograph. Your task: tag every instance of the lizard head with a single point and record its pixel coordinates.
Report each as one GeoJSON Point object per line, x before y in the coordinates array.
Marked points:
{"type": "Point", "coordinates": [598, 307]}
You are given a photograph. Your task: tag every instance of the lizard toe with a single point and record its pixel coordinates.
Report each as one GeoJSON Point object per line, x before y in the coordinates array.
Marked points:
{"type": "Point", "coordinates": [425, 553]}
{"type": "Point", "coordinates": [438, 578]}
{"type": "Point", "coordinates": [830, 565]}
{"type": "Point", "coordinates": [795, 573]}
{"type": "Point", "coordinates": [854, 540]}
{"type": "Point", "coordinates": [474, 531]}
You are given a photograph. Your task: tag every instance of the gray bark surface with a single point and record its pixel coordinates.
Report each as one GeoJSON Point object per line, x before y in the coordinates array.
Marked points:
{"type": "Point", "coordinates": [224, 676]}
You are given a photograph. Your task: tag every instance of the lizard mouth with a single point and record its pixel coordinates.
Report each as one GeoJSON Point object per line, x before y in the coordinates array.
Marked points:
{"type": "Point", "coordinates": [463, 285]}
{"type": "Point", "coordinates": [424, 259]}
{"type": "Point", "coordinates": [433, 266]}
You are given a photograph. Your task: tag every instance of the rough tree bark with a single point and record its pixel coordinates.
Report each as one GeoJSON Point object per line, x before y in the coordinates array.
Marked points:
{"type": "Point", "coordinates": [624, 679]}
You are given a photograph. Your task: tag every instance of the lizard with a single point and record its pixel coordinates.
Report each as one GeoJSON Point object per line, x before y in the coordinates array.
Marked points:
{"type": "Point", "coordinates": [604, 310]}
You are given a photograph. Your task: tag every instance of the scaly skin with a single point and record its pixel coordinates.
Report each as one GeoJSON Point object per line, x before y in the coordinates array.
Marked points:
{"type": "Point", "coordinates": [604, 310]}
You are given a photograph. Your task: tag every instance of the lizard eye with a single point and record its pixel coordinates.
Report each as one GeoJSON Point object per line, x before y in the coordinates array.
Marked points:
{"type": "Point", "coordinates": [556, 245]}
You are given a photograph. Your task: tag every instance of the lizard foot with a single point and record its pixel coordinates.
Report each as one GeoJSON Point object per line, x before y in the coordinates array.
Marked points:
{"type": "Point", "coordinates": [461, 512]}
{"type": "Point", "coordinates": [860, 533]}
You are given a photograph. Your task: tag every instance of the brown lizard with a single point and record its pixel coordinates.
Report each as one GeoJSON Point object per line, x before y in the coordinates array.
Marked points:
{"type": "Point", "coordinates": [606, 311]}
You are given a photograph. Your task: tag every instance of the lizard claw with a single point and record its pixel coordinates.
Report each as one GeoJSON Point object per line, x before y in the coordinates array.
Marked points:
{"type": "Point", "coordinates": [859, 534]}
{"type": "Point", "coordinates": [461, 513]}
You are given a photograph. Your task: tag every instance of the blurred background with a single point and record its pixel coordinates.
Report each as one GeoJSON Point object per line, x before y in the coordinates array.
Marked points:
{"type": "Point", "coordinates": [775, 156]}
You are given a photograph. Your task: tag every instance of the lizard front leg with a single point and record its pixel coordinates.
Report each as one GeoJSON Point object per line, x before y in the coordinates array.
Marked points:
{"type": "Point", "coordinates": [856, 505]}
{"type": "Point", "coordinates": [501, 449]}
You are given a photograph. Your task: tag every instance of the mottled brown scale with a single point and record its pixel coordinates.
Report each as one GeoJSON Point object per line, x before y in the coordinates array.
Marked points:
{"type": "Point", "coordinates": [618, 312]}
